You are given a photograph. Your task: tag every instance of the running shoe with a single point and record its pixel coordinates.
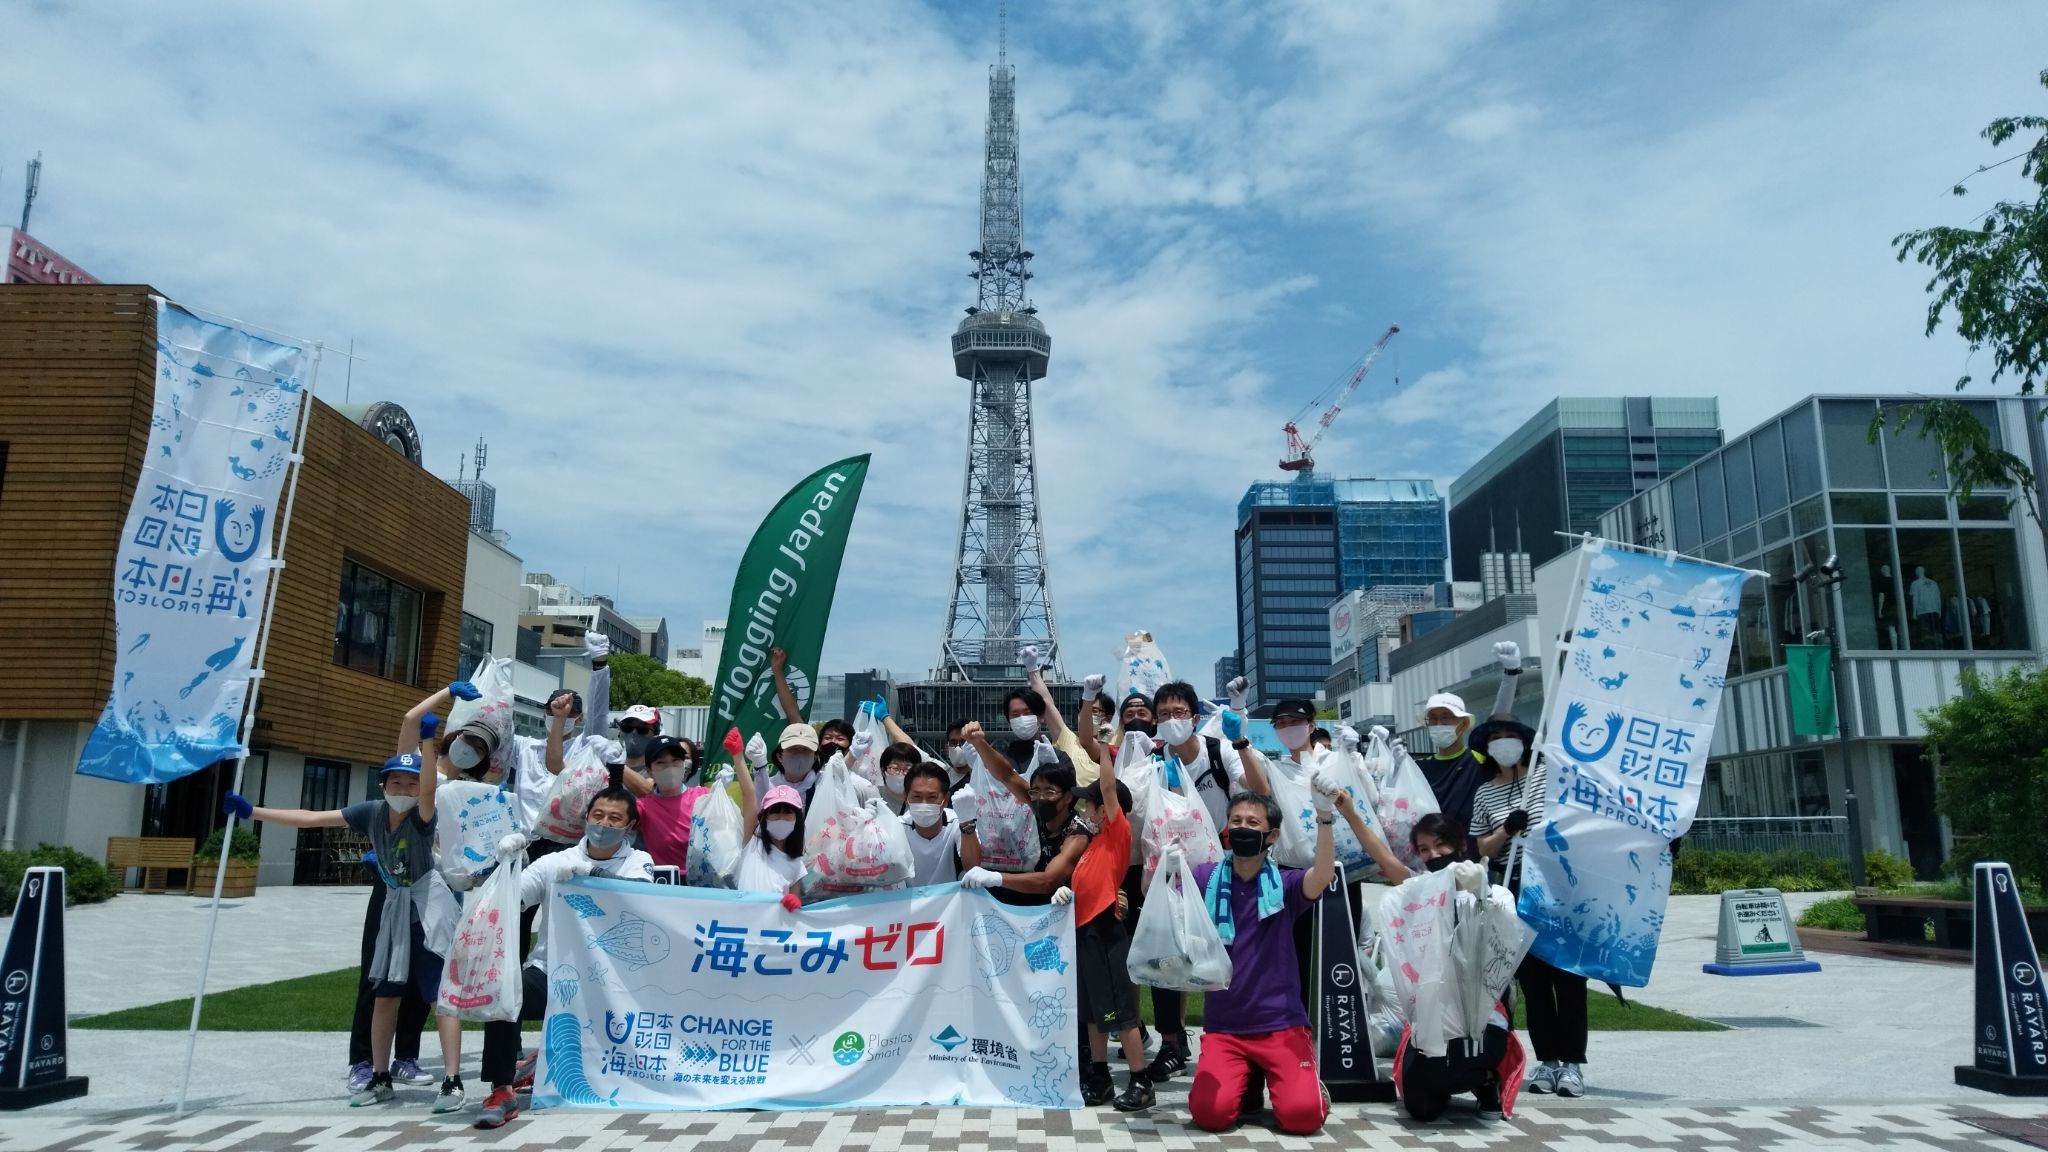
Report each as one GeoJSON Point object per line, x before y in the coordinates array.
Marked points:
{"type": "Point", "coordinates": [1543, 1078]}
{"type": "Point", "coordinates": [522, 1072]}
{"type": "Point", "coordinates": [450, 1099]}
{"type": "Point", "coordinates": [359, 1075]}
{"type": "Point", "coordinates": [1571, 1082]}
{"type": "Point", "coordinates": [377, 1091]}
{"type": "Point", "coordinates": [1171, 1060]}
{"type": "Point", "coordinates": [1489, 1101]}
{"type": "Point", "coordinates": [410, 1072]}
{"type": "Point", "coordinates": [500, 1106]}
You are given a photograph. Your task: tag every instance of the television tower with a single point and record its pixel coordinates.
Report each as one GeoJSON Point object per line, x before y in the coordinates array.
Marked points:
{"type": "Point", "coordinates": [1001, 601]}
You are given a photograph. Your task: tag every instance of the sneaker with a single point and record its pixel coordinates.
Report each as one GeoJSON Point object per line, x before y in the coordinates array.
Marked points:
{"type": "Point", "coordinates": [409, 1072]}
{"type": "Point", "coordinates": [451, 1097]}
{"type": "Point", "coordinates": [501, 1105]}
{"type": "Point", "coordinates": [1571, 1083]}
{"type": "Point", "coordinates": [359, 1075]}
{"type": "Point", "coordinates": [377, 1091]}
{"type": "Point", "coordinates": [1137, 1097]}
{"type": "Point", "coordinates": [1489, 1101]}
{"type": "Point", "coordinates": [1543, 1078]}
{"type": "Point", "coordinates": [522, 1072]}
{"type": "Point", "coordinates": [1171, 1060]}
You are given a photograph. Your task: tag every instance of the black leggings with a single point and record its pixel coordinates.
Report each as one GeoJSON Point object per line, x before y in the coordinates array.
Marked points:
{"type": "Point", "coordinates": [502, 1037]}
{"type": "Point", "coordinates": [412, 1010]}
{"type": "Point", "coordinates": [1555, 1006]}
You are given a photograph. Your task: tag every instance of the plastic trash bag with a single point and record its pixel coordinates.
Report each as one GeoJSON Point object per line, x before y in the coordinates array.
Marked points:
{"type": "Point", "coordinates": [1142, 667]}
{"type": "Point", "coordinates": [481, 979]}
{"type": "Point", "coordinates": [1289, 784]}
{"type": "Point", "coordinates": [1405, 798]}
{"type": "Point", "coordinates": [1168, 817]}
{"type": "Point", "coordinates": [717, 837]}
{"type": "Point", "coordinates": [1004, 824]}
{"type": "Point", "coordinates": [1451, 947]}
{"type": "Point", "coordinates": [470, 817]}
{"type": "Point", "coordinates": [865, 754]}
{"type": "Point", "coordinates": [1347, 770]}
{"type": "Point", "coordinates": [582, 777]}
{"type": "Point", "coordinates": [492, 707]}
{"type": "Point", "coordinates": [851, 845]}
{"type": "Point", "coordinates": [1175, 944]}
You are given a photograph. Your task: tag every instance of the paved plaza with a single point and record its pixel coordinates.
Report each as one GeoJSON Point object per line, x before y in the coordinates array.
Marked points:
{"type": "Point", "coordinates": [1858, 1056]}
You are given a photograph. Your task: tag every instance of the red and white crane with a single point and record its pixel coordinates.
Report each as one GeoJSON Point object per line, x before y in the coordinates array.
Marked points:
{"type": "Point", "coordinates": [1301, 453]}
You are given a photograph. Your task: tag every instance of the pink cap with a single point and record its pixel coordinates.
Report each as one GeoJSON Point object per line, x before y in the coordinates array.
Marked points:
{"type": "Point", "coordinates": [783, 794]}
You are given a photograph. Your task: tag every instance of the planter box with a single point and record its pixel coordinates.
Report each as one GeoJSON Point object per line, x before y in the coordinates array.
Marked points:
{"type": "Point", "coordinates": [1904, 919]}
{"type": "Point", "coordinates": [241, 878]}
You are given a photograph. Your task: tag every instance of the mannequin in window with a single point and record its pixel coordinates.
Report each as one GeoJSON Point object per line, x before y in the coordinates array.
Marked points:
{"type": "Point", "coordinates": [1881, 600]}
{"type": "Point", "coordinates": [1980, 616]}
{"type": "Point", "coordinates": [1955, 622]}
{"type": "Point", "coordinates": [1924, 597]}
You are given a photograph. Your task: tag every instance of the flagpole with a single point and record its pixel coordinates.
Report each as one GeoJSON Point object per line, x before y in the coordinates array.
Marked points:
{"type": "Point", "coordinates": [1564, 645]}
{"type": "Point", "coordinates": [297, 461]}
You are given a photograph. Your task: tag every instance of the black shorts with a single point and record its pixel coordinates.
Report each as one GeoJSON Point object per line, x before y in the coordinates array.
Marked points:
{"type": "Point", "coordinates": [1108, 997]}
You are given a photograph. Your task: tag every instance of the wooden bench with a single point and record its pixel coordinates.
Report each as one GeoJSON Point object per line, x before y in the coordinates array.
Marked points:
{"type": "Point", "coordinates": [1904, 920]}
{"type": "Point", "coordinates": [156, 856]}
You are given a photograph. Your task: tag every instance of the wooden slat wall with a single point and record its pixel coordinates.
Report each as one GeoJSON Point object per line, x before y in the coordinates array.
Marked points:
{"type": "Point", "coordinates": [76, 384]}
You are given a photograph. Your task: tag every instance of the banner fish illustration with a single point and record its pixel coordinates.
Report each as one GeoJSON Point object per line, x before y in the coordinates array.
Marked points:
{"type": "Point", "coordinates": [1043, 954]}
{"type": "Point", "coordinates": [995, 945]}
{"type": "Point", "coordinates": [633, 941]}
{"type": "Point", "coordinates": [585, 907]}
{"type": "Point", "coordinates": [565, 1062]}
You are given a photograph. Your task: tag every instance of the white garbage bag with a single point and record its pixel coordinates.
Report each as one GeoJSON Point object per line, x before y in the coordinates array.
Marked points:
{"type": "Point", "coordinates": [1175, 944]}
{"type": "Point", "coordinates": [492, 708]}
{"type": "Point", "coordinates": [1142, 667]}
{"type": "Point", "coordinates": [1291, 792]}
{"type": "Point", "coordinates": [717, 836]}
{"type": "Point", "coordinates": [1004, 824]}
{"type": "Point", "coordinates": [470, 817]}
{"type": "Point", "coordinates": [481, 980]}
{"type": "Point", "coordinates": [1168, 817]}
{"type": "Point", "coordinates": [582, 777]}
{"type": "Point", "coordinates": [851, 846]}
{"type": "Point", "coordinates": [1405, 797]}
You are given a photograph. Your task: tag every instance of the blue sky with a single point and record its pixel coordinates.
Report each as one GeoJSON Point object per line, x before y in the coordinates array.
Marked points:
{"type": "Point", "coordinates": [668, 258]}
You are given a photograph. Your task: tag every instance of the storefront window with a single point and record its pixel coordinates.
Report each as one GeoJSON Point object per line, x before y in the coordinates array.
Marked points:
{"type": "Point", "coordinates": [1915, 460]}
{"type": "Point", "coordinates": [1933, 602]}
{"type": "Point", "coordinates": [1853, 461]}
{"type": "Point", "coordinates": [1870, 589]}
{"type": "Point", "coordinates": [1802, 452]}
{"type": "Point", "coordinates": [1744, 542]}
{"type": "Point", "coordinates": [1991, 582]}
{"type": "Point", "coordinates": [1768, 443]}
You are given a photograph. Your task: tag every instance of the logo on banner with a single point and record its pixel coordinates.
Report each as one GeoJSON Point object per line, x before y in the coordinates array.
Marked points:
{"type": "Point", "coordinates": [848, 1048]}
{"type": "Point", "coordinates": [2023, 974]}
{"type": "Point", "coordinates": [949, 1039]}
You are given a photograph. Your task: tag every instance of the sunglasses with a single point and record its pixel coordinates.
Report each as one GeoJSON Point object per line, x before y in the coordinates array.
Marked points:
{"type": "Point", "coordinates": [635, 728]}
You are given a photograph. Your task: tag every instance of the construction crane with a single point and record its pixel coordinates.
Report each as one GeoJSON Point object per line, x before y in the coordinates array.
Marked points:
{"type": "Point", "coordinates": [1301, 454]}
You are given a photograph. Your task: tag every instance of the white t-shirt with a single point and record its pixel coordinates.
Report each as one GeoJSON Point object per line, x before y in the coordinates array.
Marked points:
{"type": "Point", "coordinates": [1215, 797]}
{"type": "Point", "coordinates": [538, 880]}
{"type": "Point", "coordinates": [937, 858]}
{"type": "Point", "coordinates": [765, 869]}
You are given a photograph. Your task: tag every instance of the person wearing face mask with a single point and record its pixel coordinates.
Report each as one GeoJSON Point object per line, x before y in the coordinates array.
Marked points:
{"type": "Point", "coordinates": [897, 761]}
{"type": "Point", "coordinates": [1050, 792]}
{"type": "Point", "coordinates": [1055, 727]}
{"type": "Point", "coordinates": [1102, 943]}
{"type": "Point", "coordinates": [667, 794]}
{"type": "Point", "coordinates": [935, 828]}
{"type": "Point", "coordinates": [1261, 1025]}
{"type": "Point", "coordinates": [1453, 768]}
{"type": "Point", "coordinates": [1029, 747]}
{"type": "Point", "coordinates": [400, 829]}
{"type": "Point", "coordinates": [959, 755]}
{"type": "Point", "coordinates": [639, 727]}
{"type": "Point", "coordinates": [1099, 734]}
{"type": "Point", "coordinates": [794, 763]}
{"type": "Point", "coordinates": [773, 860]}
{"type": "Point", "coordinates": [606, 850]}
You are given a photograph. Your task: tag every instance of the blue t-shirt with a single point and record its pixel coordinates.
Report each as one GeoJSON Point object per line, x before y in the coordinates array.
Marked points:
{"type": "Point", "coordinates": [1265, 984]}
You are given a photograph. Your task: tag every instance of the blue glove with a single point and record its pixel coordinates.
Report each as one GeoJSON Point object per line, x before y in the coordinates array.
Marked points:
{"type": "Point", "coordinates": [234, 805]}
{"type": "Point", "coordinates": [880, 708]}
{"type": "Point", "coordinates": [463, 690]}
{"type": "Point", "coordinates": [370, 858]}
{"type": "Point", "coordinates": [429, 724]}
{"type": "Point", "coordinates": [1233, 726]}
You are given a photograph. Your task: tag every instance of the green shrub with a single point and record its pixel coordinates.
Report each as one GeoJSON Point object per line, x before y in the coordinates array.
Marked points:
{"type": "Point", "coordinates": [86, 880]}
{"type": "Point", "coordinates": [1706, 873]}
{"type": "Point", "coordinates": [1839, 914]}
{"type": "Point", "coordinates": [1883, 870]}
{"type": "Point", "coordinates": [246, 847]}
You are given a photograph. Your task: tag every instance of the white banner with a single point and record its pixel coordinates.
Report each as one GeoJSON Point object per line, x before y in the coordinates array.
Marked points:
{"type": "Point", "coordinates": [193, 562]}
{"type": "Point", "coordinates": [694, 998]}
{"type": "Point", "coordinates": [1626, 735]}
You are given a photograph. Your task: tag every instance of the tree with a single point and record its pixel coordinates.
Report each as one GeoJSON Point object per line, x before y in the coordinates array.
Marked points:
{"type": "Point", "coordinates": [1991, 277]}
{"type": "Point", "coordinates": [1992, 780]}
{"type": "Point", "coordinates": [637, 679]}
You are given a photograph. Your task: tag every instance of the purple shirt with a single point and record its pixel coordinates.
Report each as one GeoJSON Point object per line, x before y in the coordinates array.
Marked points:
{"type": "Point", "coordinates": [1265, 983]}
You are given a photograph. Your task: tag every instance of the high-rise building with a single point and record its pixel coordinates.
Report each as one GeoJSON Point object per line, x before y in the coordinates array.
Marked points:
{"type": "Point", "coordinates": [1228, 668]}
{"type": "Point", "coordinates": [1568, 465]}
{"type": "Point", "coordinates": [1300, 543]}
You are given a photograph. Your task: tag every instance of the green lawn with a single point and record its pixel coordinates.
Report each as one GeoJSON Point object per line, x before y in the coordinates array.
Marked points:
{"type": "Point", "coordinates": [326, 1003]}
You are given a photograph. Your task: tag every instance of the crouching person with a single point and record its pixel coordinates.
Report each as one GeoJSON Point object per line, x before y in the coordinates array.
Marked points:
{"type": "Point", "coordinates": [605, 850]}
{"type": "Point", "coordinates": [1261, 1023]}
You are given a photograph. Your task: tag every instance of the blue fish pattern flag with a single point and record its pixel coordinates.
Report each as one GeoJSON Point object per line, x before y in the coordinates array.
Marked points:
{"type": "Point", "coordinates": [1630, 719]}
{"type": "Point", "coordinates": [194, 560]}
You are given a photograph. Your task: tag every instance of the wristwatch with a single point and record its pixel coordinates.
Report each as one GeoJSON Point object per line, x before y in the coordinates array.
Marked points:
{"type": "Point", "coordinates": [1241, 743]}
{"type": "Point", "coordinates": [1326, 818]}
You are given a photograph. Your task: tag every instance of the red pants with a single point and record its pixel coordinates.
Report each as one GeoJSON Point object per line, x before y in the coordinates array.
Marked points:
{"type": "Point", "coordinates": [1289, 1061]}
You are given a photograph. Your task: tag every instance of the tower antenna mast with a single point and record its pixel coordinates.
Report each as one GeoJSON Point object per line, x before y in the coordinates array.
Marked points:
{"type": "Point", "coordinates": [28, 195]}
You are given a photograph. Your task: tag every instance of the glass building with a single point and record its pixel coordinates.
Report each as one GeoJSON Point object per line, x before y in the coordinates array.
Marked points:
{"type": "Point", "coordinates": [1932, 583]}
{"type": "Point", "coordinates": [1566, 466]}
{"type": "Point", "coordinates": [1300, 543]}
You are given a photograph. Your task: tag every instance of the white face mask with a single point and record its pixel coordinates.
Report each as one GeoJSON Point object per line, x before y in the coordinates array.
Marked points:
{"type": "Point", "coordinates": [672, 781]}
{"type": "Point", "coordinates": [797, 765]}
{"type": "Point", "coordinates": [1443, 735]}
{"type": "Point", "coordinates": [402, 804]}
{"type": "Point", "coordinates": [893, 781]}
{"type": "Point", "coordinates": [780, 829]}
{"type": "Point", "coordinates": [1506, 750]}
{"type": "Point", "coordinates": [1175, 732]}
{"type": "Point", "coordinates": [1024, 727]}
{"type": "Point", "coordinates": [1294, 737]}
{"type": "Point", "coordinates": [926, 815]}
{"type": "Point", "coordinates": [959, 757]}
{"type": "Point", "coordinates": [464, 755]}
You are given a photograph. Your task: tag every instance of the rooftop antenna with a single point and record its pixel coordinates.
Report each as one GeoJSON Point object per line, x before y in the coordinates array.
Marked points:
{"type": "Point", "coordinates": [461, 469]}
{"type": "Point", "coordinates": [348, 378]}
{"type": "Point", "coordinates": [28, 195]}
{"type": "Point", "coordinates": [482, 452]}
{"type": "Point", "coordinates": [1002, 39]}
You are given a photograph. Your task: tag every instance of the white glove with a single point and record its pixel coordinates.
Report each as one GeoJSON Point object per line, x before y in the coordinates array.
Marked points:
{"type": "Point", "coordinates": [1063, 896]}
{"type": "Point", "coordinates": [1046, 753]}
{"type": "Point", "coordinates": [512, 844]}
{"type": "Point", "coordinates": [981, 878]}
{"type": "Point", "coordinates": [1028, 656]}
{"type": "Point", "coordinates": [1347, 738]}
{"type": "Point", "coordinates": [1239, 690]}
{"type": "Point", "coordinates": [1379, 732]}
{"type": "Point", "coordinates": [862, 744]}
{"type": "Point", "coordinates": [964, 805]}
{"type": "Point", "coordinates": [1400, 747]}
{"type": "Point", "coordinates": [1470, 876]}
{"type": "Point", "coordinates": [757, 751]}
{"type": "Point", "coordinates": [1509, 654]}
{"type": "Point", "coordinates": [611, 752]}
{"type": "Point", "coordinates": [1092, 686]}
{"type": "Point", "coordinates": [580, 868]}
{"type": "Point", "coordinates": [1137, 745]}
{"type": "Point", "coordinates": [1321, 788]}
{"type": "Point", "coordinates": [724, 776]}
{"type": "Point", "coordinates": [596, 645]}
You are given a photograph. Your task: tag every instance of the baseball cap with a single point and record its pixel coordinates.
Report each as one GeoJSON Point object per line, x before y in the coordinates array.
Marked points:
{"type": "Point", "coordinates": [782, 794]}
{"type": "Point", "coordinates": [798, 736]}
{"type": "Point", "coordinates": [403, 762]}
{"type": "Point", "coordinates": [643, 714]}
{"type": "Point", "coordinates": [1454, 703]}
{"type": "Point", "coordinates": [666, 746]}
{"type": "Point", "coordinates": [1296, 709]}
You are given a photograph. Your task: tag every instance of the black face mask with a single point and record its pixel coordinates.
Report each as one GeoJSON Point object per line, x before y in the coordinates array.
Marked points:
{"type": "Point", "coordinates": [1439, 863]}
{"type": "Point", "coordinates": [1246, 842]}
{"type": "Point", "coordinates": [1047, 811]}
{"type": "Point", "coordinates": [1145, 726]}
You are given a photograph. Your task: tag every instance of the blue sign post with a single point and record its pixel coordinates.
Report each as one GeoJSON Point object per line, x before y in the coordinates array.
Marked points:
{"type": "Point", "coordinates": [32, 1023]}
{"type": "Point", "coordinates": [2012, 1007]}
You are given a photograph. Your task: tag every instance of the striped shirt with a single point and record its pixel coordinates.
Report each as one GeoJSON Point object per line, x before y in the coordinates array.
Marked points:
{"type": "Point", "coordinates": [1498, 797]}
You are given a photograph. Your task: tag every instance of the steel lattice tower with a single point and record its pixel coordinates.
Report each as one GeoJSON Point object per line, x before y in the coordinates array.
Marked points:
{"type": "Point", "coordinates": [1001, 601]}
